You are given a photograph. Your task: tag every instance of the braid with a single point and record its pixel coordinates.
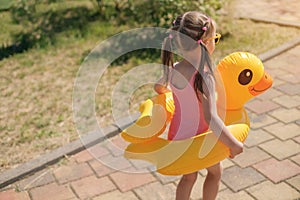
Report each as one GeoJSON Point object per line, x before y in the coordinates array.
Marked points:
{"type": "Point", "coordinates": [167, 55]}
{"type": "Point", "coordinates": [205, 59]}
{"type": "Point", "coordinates": [167, 58]}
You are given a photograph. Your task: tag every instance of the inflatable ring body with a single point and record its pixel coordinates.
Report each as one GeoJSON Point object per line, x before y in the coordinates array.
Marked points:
{"type": "Point", "coordinates": [184, 156]}
{"type": "Point", "coordinates": [192, 154]}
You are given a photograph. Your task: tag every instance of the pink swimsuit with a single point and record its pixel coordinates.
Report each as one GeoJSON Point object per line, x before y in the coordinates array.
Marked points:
{"type": "Point", "coordinates": [188, 119]}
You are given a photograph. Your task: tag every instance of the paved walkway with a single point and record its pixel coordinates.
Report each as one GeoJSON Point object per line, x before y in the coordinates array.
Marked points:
{"type": "Point", "coordinates": [269, 168]}
{"type": "Point", "coordinates": [279, 11]}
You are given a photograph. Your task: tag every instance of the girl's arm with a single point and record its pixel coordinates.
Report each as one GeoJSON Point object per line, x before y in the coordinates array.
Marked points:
{"type": "Point", "coordinates": [213, 119]}
{"type": "Point", "coordinates": [160, 86]}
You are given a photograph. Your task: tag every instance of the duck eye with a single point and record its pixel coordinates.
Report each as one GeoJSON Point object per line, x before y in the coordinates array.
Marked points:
{"type": "Point", "coordinates": [245, 77]}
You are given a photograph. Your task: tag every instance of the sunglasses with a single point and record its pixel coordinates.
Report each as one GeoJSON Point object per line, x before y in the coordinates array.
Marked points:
{"type": "Point", "coordinates": [216, 38]}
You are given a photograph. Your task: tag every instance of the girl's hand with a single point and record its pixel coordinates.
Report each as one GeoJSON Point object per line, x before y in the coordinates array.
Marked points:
{"type": "Point", "coordinates": [236, 149]}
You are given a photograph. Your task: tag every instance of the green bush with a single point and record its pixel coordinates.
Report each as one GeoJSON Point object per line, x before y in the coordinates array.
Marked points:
{"type": "Point", "coordinates": [5, 4]}
{"type": "Point", "coordinates": [140, 13]}
{"type": "Point", "coordinates": [42, 19]}
{"type": "Point", "coordinates": [153, 12]}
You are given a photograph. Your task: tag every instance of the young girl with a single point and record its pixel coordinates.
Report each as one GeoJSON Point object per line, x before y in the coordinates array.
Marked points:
{"type": "Point", "coordinates": [192, 84]}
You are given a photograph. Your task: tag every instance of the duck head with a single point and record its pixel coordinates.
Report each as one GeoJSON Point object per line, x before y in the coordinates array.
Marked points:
{"type": "Point", "coordinates": [243, 77]}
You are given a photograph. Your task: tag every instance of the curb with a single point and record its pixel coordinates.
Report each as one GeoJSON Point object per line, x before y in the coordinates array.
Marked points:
{"type": "Point", "coordinates": [92, 138]}
{"type": "Point", "coordinates": [270, 21]}
{"type": "Point", "coordinates": [279, 50]}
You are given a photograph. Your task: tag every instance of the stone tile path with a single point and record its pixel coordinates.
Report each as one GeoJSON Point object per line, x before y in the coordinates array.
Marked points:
{"type": "Point", "coordinates": [282, 12]}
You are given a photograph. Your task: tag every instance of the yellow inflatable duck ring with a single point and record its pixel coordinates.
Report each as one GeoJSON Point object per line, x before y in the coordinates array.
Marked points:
{"type": "Point", "coordinates": [242, 76]}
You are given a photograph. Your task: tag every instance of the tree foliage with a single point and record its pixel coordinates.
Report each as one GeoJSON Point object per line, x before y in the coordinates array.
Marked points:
{"type": "Point", "coordinates": [153, 12]}
{"type": "Point", "coordinates": [42, 19]}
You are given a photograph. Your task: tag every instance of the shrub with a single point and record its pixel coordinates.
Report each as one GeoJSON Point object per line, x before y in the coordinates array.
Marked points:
{"type": "Point", "coordinates": [153, 13]}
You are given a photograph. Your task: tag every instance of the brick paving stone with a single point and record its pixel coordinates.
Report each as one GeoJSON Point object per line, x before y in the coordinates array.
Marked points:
{"type": "Point", "coordinates": [269, 94]}
{"type": "Point", "coordinates": [227, 163]}
{"type": "Point", "coordinates": [52, 191]}
{"type": "Point", "coordinates": [116, 145]}
{"type": "Point", "coordinates": [277, 170]}
{"type": "Point", "coordinates": [128, 181]}
{"type": "Point", "coordinates": [166, 179]}
{"type": "Point", "coordinates": [289, 88]}
{"type": "Point", "coordinates": [296, 159]}
{"type": "Point", "coordinates": [98, 150]}
{"type": "Point", "coordinates": [156, 191]}
{"type": "Point", "coordinates": [291, 78]}
{"type": "Point", "coordinates": [281, 149]}
{"type": "Point", "coordinates": [117, 163]}
{"type": "Point", "coordinates": [297, 139]}
{"type": "Point", "coordinates": [91, 186]}
{"type": "Point", "coordinates": [277, 82]}
{"type": "Point", "coordinates": [13, 195]}
{"type": "Point", "coordinates": [259, 121]}
{"type": "Point", "coordinates": [275, 62]}
{"type": "Point", "coordinates": [100, 168]}
{"type": "Point", "coordinates": [197, 191]}
{"type": "Point", "coordinates": [72, 172]}
{"type": "Point", "coordinates": [250, 156]}
{"type": "Point", "coordinates": [239, 178]}
{"type": "Point", "coordinates": [229, 195]}
{"type": "Point", "coordinates": [284, 131]}
{"type": "Point", "coordinates": [259, 106]}
{"type": "Point", "coordinates": [256, 137]}
{"type": "Point", "coordinates": [293, 70]}
{"type": "Point", "coordinates": [269, 191]}
{"type": "Point", "coordinates": [288, 101]}
{"type": "Point", "coordinates": [117, 195]}
{"type": "Point", "coordinates": [295, 51]}
{"type": "Point", "coordinates": [140, 164]}
{"type": "Point", "coordinates": [203, 172]}
{"type": "Point", "coordinates": [9, 187]}
{"type": "Point", "coordinates": [275, 74]}
{"type": "Point", "coordinates": [290, 59]}
{"type": "Point", "coordinates": [83, 156]}
{"type": "Point", "coordinates": [295, 182]}
{"type": "Point", "coordinates": [134, 170]}
{"type": "Point", "coordinates": [40, 178]}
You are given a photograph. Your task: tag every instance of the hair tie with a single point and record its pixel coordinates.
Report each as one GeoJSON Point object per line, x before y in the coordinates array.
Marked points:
{"type": "Point", "coordinates": [174, 22]}
{"type": "Point", "coordinates": [204, 28]}
{"type": "Point", "coordinates": [170, 36]}
{"type": "Point", "coordinates": [199, 41]}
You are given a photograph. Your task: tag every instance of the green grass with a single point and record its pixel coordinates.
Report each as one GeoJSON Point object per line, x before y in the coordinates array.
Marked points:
{"type": "Point", "coordinates": [36, 86]}
{"type": "Point", "coordinates": [253, 37]}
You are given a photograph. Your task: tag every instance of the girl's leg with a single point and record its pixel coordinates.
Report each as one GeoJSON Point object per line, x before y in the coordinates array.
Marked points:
{"type": "Point", "coordinates": [185, 186]}
{"type": "Point", "coordinates": [212, 182]}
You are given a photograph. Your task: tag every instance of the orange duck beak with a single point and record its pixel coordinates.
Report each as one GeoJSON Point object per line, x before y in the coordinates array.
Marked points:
{"type": "Point", "coordinates": [263, 84]}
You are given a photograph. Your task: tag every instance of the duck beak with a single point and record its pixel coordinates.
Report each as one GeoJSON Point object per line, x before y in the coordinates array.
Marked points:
{"type": "Point", "coordinates": [263, 84]}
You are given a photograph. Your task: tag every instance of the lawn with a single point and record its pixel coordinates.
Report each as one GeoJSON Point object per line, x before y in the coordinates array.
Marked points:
{"type": "Point", "coordinates": [36, 85]}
